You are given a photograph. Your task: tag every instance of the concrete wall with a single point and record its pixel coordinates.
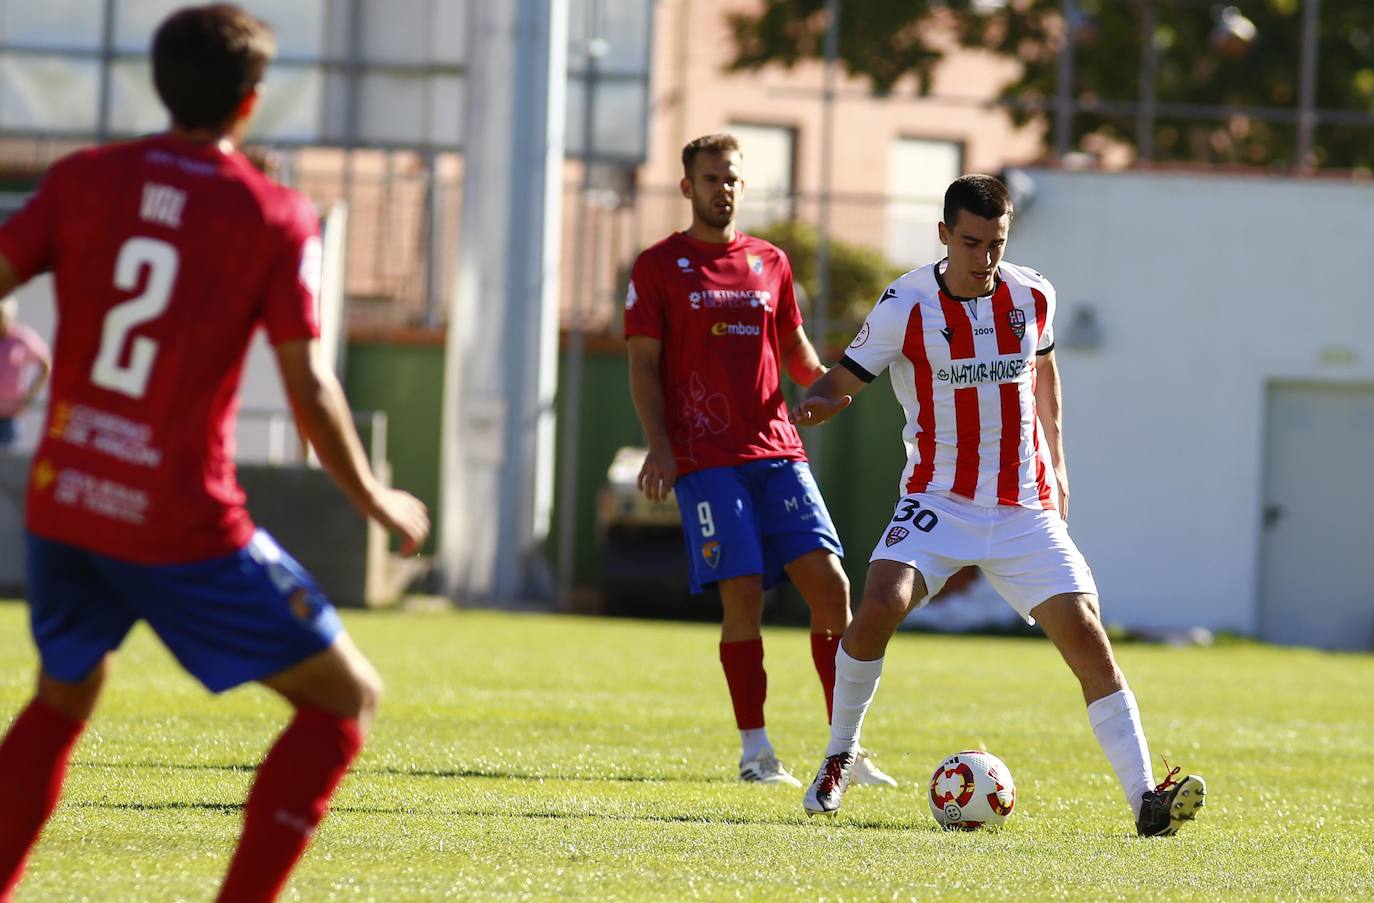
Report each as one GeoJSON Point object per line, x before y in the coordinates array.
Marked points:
{"type": "Point", "coordinates": [1205, 288]}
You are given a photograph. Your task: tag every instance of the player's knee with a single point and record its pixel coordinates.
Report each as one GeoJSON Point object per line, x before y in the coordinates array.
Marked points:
{"type": "Point", "coordinates": [77, 699]}
{"type": "Point", "coordinates": [890, 603]}
{"type": "Point", "coordinates": [368, 692]}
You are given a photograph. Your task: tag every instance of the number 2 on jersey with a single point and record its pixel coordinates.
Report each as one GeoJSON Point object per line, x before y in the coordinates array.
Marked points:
{"type": "Point", "coordinates": [160, 259]}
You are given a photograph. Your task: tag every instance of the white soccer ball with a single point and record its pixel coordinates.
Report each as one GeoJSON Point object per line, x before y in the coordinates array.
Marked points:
{"type": "Point", "coordinates": [970, 790]}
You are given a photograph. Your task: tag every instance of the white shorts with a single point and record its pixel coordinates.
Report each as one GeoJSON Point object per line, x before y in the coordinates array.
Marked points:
{"type": "Point", "coordinates": [1025, 553]}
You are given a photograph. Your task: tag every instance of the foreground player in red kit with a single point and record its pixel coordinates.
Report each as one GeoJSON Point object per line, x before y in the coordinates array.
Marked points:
{"type": "Point", "coordinates": [712, 320]}
{"type": "Point", "coordinates": [168, 253]}
{"type": "Point", "coordinates": [969, 342]}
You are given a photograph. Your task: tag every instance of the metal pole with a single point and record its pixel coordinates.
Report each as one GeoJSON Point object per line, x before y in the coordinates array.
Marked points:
{"type": "Point", "coordinates": [820, 314]}
{"type": "Point", "coordinates": [1063, 114]}
{"type": "Point", "coordinates": [572, 386]}
{"type": "Point", "coordinates": [1307, 84]}
{"type": "Point", "coordinates": [102, 127]}
{"type": "Point", "coordinates": [1149, 95]}
{"type": "Point", "coordinates": [433, 241]}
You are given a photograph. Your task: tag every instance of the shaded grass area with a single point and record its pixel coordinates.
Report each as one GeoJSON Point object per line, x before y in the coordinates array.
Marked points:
{"type": "Point", "coordinates": [533, 757]}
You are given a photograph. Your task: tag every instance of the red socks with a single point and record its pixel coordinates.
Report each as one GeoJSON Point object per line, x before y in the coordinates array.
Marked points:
{"type": "Point", "coordinates": [288, 800]}
{"type": "Point", "coordinates": [823, 649]}
{"type": "Point", "coordinates": [33, 763]}
{"type": "Point", "coordinates": [743, 664]}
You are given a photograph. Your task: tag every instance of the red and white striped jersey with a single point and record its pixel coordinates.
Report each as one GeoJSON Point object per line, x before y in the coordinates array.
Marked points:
{"type": "Point", "coordinates": [964, 371]}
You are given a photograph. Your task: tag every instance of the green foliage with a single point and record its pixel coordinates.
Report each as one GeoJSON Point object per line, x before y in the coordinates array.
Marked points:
{"type": "Point", "coordinates": [858, 274]}
{"type": "Point", "coordinates": [885, 41]}
{"type": "Point", "coordinates": [529, 757]}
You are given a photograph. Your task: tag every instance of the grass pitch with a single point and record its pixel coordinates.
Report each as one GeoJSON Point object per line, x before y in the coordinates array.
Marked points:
{"type": "Point", "coordinates": [533, 757]}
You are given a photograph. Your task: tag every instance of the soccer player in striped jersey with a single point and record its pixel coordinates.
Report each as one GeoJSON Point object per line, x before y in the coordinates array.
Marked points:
{"type": "Point", "coordinates": [969, 343]}
{"type": "Point", "coordinates": [167, 254]}
{"type": "Point", "coordinates": [711, 321]}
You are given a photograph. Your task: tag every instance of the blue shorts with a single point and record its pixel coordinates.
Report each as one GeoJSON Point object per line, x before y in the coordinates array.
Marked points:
{"type": "Point", "coordinates": [9, 432]}
{"type": "Point", "coordinates": [754, 518]}
{"type": "Point", "coordinates": [227, 620]}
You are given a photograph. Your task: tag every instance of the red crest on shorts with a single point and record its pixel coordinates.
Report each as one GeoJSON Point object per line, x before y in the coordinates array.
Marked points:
{"type": "Point", "coordinates": [711, 552]}
{"type": "Point", "coordinates": [1017, 319]}
{"type": "Point", "coordinates": [896, 535]}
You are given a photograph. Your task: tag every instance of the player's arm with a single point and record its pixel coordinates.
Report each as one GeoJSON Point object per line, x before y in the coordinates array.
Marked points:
{"type": "Point", "coordinates": [827, 396]}
{"type": "Point", "coordinates": [800, 358]}
{"type": "Point", "coordinates": [36, 385]}
{"type": "Point", "coordinates": [1049, 408]}
{"type": "Point", "coordinates": [659, 472]}
{"type": "Point", "coordinates": [9, 279]}
{"type": "Point", "coordinates": [324, 416]}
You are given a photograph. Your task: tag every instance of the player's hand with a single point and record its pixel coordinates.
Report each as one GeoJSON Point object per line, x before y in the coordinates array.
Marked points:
{"type": "Point", "coordinates": [402, 514]}
{"type": "Point", "coordinates": [818, 409]}
{"type": "Point", "coordinates": [659, 473]}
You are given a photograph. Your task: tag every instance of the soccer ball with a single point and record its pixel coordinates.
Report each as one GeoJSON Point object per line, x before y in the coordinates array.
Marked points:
{"type": "Point", "coordinates": [971, 789]}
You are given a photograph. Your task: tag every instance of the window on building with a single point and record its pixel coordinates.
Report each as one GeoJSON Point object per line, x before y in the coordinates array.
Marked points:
{"type": "Point", "coordinates": [769, 173]}
{"type": "Point", "coordinates": [918, 172]}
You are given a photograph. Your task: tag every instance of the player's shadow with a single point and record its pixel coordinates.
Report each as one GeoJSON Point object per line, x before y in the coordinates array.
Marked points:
{"type": "Point", "coordinates": [664, 818]}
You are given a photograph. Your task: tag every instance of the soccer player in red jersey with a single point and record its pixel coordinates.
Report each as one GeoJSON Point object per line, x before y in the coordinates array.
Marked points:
{"type": "Point", "coordinates": [711, 321]}
{"type": "Point", "coordinates": [167, 254]}
{"type": "Point", "coordinates": [969, 343]}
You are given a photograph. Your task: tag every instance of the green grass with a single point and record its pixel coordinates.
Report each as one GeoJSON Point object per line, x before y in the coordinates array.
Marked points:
{"type": "Point", "coordinates": [532, 757]}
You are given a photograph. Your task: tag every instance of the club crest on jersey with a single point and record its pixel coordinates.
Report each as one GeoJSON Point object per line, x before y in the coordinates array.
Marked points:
{"type": "Point", "coordinates": [861, 337]}
{"type": "Point", "coordinates": [755, 262]}
{"type": "Point", "coordinates": [896, 535]}
{"type": "Point", "coordinates": [1017, 319]}
{"type": "Point", "coordinates": [711, 553]}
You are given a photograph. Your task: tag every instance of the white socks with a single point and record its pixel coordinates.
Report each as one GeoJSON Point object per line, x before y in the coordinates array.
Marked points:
{"type": "Point", "coordinates": [1116, 723]}
{"type": "Point", "coordinates": [855, 684]}
{"type": "Point", "coordinates": [754, 742]}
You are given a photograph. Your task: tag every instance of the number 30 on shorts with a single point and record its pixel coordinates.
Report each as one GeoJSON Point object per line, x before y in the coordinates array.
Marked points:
{"type": "Point", "coordinates": [911, 510]}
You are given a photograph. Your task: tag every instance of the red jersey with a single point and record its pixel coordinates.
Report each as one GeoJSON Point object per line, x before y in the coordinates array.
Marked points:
{"type": "Point", "coordinates": [718, 309]}
{"type": "Point", "coordinates": [166, 257]}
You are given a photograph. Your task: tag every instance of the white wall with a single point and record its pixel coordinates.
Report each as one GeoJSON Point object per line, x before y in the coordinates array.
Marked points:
{"type": "Point", "coordinates": [1205, 288]}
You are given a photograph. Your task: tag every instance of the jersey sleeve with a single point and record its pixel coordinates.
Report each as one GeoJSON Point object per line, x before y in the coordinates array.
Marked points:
{"type": "Point", "coordinates": [789, 315]}
{"type": "Point", "coordinates": [27, 237]}
{"type": "Point", "coordinates": [645, 311]}
{"type": "Point", "coordinates": [1046, 343]}
{"type": "Point", "coordinates": [290, 309]}
{"type": "Point", "coordinates": [34, 345]}
{"type": "Point", "coordinates": [880, 339]}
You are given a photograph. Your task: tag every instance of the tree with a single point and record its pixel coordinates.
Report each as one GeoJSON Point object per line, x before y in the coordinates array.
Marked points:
{"type": "Point", "coordinates": [1244, 59]}
{"type": "Point", "coordinates": [858, 275]}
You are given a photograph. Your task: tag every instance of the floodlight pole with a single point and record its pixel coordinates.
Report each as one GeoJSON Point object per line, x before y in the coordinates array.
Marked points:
{"type": "Point", "coordinates": [820, 313]}
{"type": "Point", "coordinates": [571, 389]}
{"type": "Point", "coordinates": [500, 368]}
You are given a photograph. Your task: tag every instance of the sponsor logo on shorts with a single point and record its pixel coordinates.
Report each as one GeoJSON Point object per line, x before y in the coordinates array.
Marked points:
{"type": "Point", "coordinates": [1017, 319]}
{"type": "Point", "coordinates": [896, 535]}
{"type": "Point", "coordinates": [711, 553]}
{"type": "Point", "coordinates": [300, 605]}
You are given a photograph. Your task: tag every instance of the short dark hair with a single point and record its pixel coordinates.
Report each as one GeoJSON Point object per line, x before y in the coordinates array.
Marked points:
{"type": "Point", "coordinates": [717, 143]}
{"type": "Point", "coordinates": [980, 195]}
{"type": "Point", "coordinates": [206, 60]}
